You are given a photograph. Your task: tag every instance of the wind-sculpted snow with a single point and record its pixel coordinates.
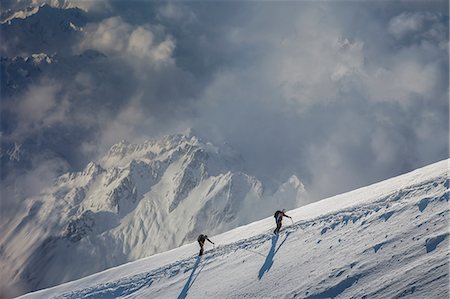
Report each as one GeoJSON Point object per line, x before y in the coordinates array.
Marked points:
{"type": "Point", "coordinates": [383, 244]}
{"type": "Point", "coordinates": [138, 200]}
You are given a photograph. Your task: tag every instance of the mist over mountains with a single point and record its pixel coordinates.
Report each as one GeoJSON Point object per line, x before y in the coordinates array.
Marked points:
{"type": "Point", "coordinates": [311, 89]}
{"type": "Point", "coordinates": [281, 97]}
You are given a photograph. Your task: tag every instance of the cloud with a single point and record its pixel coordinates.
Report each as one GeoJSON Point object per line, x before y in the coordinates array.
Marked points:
{"type": "Point", "coordinates": [177, 13]}
{"type": "Point", "coordinates": [113, 36]}
{"type": "Point", "coordinates": [341, 94]}
{"type": "Point", "coordinates": [419, 27]}
{"type": "Point", "coordinates": [77, 106]}
{"type": "Point", "coordinates": [42, 105]}
{"type": "Point", "coordinates": [24, 183]}
{"type": "Point", "coordinates": [408, 23]}
{"type": "Point", "coordinates": [328, 102]}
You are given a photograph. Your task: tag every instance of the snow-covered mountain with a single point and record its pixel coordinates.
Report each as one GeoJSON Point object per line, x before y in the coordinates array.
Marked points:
{"type": "Point", "coordinates": [40, 29]}
{"type": "Point", "coordinates": [137, 200]}
{"type": "Point", "coordinates": [387, 240]}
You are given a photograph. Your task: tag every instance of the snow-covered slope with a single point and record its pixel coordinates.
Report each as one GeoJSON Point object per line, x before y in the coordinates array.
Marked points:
{"type": "Point", "coordinates": [387, 240]}
{"type": "Point", "coordinates": [138, 200]}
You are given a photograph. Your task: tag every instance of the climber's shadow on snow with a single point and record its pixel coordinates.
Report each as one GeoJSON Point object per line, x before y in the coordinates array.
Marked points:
{"type": "Point", "coordinates": [191, 278]}
{"type": "Point", "coordinates": [269, 258]}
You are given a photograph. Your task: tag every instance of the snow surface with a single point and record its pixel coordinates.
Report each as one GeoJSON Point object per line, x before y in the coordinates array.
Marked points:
{"type": "Point", "coordinates": [387, 240]}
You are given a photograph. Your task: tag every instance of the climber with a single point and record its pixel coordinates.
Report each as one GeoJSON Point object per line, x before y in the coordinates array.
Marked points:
{"type": "Point", "coordinates": [201, 241]}
{"type": "Point", "coordinates": [278, 218]}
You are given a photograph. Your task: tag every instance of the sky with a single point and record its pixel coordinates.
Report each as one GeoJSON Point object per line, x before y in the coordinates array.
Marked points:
{"type": "Point", "coordinates": [340, 93]}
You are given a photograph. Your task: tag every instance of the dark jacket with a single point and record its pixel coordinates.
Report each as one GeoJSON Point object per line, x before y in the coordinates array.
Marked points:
{"type": "Point", "coordinates": [203, 238]}
{"type": "Point", "coordinates": [279, 216]}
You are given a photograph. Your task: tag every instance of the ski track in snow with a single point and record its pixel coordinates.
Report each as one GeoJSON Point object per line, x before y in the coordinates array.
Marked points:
{"type": "Point", "coordinates": [393, 247]}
